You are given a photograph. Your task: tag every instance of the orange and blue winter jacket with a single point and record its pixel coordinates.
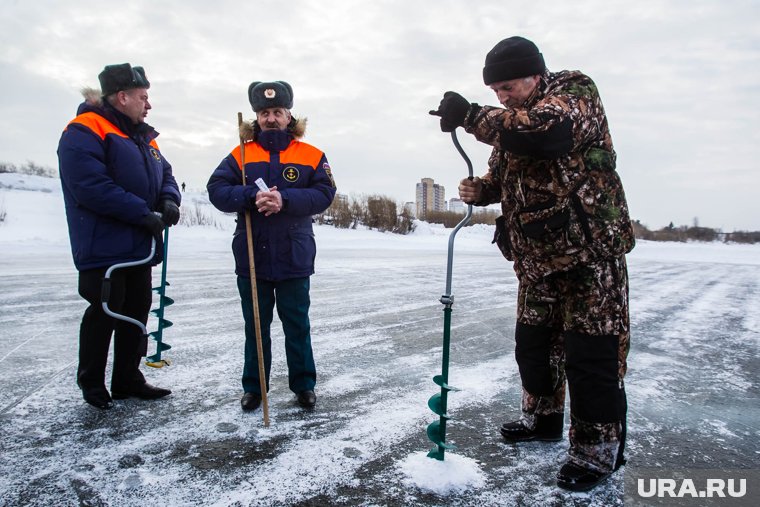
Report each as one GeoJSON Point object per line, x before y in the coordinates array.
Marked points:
{"type": "Point", "coordinates": [284, 246]}
{"type": "Point", "coordinates": [112, 174]}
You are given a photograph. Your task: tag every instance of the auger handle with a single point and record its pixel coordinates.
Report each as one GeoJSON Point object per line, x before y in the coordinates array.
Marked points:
{"type": "Point", "coordinates": [461, 152]}
{"type": "Point", "coordinates": [447, 298]}
{"type": "Point", "coordinates": [105, 292]}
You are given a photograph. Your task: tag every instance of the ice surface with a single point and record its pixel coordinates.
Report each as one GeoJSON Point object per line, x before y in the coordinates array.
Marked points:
{"type": "Point", "coordinates": [377, 325]}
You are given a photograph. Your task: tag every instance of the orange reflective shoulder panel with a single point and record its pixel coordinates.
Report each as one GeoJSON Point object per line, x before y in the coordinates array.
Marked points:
{"type": "Point", "coordinates": [99, 125]}
{"type": "Point", "coordinates": [302, 153]}
{"type": "Point", "coordinates": [154, 144]}
{"type": "Point", "coordinates": [253, 153]}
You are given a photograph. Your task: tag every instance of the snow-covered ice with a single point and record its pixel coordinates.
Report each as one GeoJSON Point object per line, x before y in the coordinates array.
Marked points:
{"type": "Point", "coordinates": [377, 330]}
{"type": "Point", "coordinates": [453, 473]}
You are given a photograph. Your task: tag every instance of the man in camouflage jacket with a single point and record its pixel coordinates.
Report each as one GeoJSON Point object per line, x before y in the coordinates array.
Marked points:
{"type": "Point", "coordinates": [565, 226]}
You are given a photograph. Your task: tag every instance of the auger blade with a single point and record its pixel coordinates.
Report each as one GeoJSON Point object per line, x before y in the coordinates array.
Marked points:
{"type": "Point", "coordinates": [162, 323]}
{"type": "Point", "coordinates": [436, 405]}
{"type": "Point", "coordinates": [158, 288]}
{"type": "Point", "coordinates": [434, 434]}
{"type": "Point", "coordinates": [156, 362]}
{"type": "Point", "coordinates": [161, 346]}
{"type": "Point", "coordinates": [438, 379]}
{"type": "Point", "coordinates": [158, 338]}
{"type": "Point", "coordinates": [166, 300]}
{"type": "Point", "coordinates": [435, 453]}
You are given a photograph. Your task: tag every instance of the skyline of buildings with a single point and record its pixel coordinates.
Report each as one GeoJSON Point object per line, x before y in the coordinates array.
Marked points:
{"type": "Point", "coordinates": [430, 196]}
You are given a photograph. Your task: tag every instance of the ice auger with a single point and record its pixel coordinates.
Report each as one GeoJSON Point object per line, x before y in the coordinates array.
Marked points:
{"type": "Point", "coordinates": [164, 301]}
{"type": "Point", "coordinates": [155, 360]}
{"type": "Point", "coordinates": [436, 431]}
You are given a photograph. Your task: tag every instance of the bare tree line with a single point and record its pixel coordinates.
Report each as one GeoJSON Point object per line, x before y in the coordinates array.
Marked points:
{"type": "Point", "coordinates": [386, 215]}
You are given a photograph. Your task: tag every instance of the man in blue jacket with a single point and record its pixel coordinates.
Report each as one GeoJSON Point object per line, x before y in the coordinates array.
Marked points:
{"type": "Point", "coordinates": [114, 179]}
{"type": "Point", "coordinates": [300, 185]}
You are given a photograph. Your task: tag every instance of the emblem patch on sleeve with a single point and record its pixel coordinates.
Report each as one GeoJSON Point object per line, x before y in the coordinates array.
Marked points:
{"type": "Point", "coordinates": [328, 171]}
{"type": "Point", "coordinates": [290, 174]}
{"type": "Point", "coordinates": [154, 153]}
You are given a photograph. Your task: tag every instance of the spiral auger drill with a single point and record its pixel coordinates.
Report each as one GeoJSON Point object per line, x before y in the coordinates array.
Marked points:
{"type": "Point", "coordinates": [436, 431]}
{"type": "Point", "coordinates": [163, 301]}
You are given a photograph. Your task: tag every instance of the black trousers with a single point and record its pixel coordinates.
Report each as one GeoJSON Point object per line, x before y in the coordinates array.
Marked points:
{"type": "Point", "coordinates": [131, 296]}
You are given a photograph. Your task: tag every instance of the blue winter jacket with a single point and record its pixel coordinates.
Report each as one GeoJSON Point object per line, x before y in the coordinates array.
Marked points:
{"type": "Point", "coordinates": [112, 174]}
{"type": "Point", "coordinates": [284, 246]}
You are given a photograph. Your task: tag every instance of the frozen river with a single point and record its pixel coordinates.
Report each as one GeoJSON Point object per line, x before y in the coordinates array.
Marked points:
{"type": "Point", "coordinates": [692, 385]}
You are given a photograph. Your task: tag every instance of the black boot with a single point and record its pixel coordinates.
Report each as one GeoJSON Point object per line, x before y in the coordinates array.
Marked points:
{"type": "Point", "coordinates": [143, 391]}
{"type": "Point", "coordinates": [98, 397]}
{"type": "Point", "coordinates": [250, 401]}
{"type": "Point", "coordinates": [307, 399]}
{"type": "Point", "coordinates": [576, 478]}
{"type": "Point", "coordinates": [548, 429]}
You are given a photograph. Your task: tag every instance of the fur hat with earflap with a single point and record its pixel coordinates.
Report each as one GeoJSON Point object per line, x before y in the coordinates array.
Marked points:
{"type": "Point", "coordinates": [263, 95]}
{"type": "Point", "coordinates": [273, 94]}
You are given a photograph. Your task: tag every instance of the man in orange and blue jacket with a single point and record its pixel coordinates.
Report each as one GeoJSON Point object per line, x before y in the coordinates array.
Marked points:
{"type": "Point", "coordinates": [300, 185]}
{"type": "Point", "coordinates": [114, 179]}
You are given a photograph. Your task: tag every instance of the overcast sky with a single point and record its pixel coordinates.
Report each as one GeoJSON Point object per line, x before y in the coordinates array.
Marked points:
{"type": "Point", "coordinates": [679, 80]}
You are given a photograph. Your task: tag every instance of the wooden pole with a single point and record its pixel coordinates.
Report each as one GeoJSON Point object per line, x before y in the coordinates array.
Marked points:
{"type": "Point", "coordinates": [254, 291]}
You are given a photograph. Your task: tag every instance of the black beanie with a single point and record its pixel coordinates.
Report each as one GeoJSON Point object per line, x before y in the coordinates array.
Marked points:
{"type": "Point", "coordinates": [123, 76]}
{"type": "Point", "coordinates": [512, 58]}
{"type": "Point", "coordinates": [274, 94]}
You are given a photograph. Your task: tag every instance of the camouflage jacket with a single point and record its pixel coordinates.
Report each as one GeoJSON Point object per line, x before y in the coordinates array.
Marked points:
{"type": "Point", "coordinates": [553, 169]}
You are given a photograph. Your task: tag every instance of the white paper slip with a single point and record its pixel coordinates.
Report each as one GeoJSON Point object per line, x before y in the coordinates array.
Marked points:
{"type": "Point", "coordinates": [262, 186]}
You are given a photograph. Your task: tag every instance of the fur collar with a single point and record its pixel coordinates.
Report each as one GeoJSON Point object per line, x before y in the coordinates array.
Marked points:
{"type": "Point", "coordinates": [297, 128]}
{"type": "Point", "coordinates": [92, 96]}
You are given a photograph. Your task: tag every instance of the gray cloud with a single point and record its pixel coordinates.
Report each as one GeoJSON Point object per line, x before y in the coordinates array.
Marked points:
{"type": "Point", "coordinates": [679, 80]}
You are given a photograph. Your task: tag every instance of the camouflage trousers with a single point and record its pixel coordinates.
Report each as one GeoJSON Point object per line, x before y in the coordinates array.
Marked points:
{"type": "Point", "coordinates": [574, 326]}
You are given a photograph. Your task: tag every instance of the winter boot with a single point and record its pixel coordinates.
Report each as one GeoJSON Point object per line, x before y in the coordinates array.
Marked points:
{"type": "Point", "coordinates": [98, 397]}
{"type": "Point", "coordinates": [548, 429]}
{"type": "Point", "coordinates": [574, 477]}
{"type": "Point", "coordinates": [250, 401]}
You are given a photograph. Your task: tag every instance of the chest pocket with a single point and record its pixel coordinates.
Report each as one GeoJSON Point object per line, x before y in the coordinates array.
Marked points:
{"type": "Point", "coordinates": [592, 217]}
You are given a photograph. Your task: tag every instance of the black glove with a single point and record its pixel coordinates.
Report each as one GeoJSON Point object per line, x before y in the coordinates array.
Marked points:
{"type": "Point", "coordinates": [154, 224]}
{"type": "Point", "coordinates": [169, 212]}
{"type": "Point", "coordinates": [452, 110]}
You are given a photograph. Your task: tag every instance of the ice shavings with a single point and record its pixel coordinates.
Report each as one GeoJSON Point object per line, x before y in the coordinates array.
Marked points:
{"type": "Point", "coordinates": [455, 473]}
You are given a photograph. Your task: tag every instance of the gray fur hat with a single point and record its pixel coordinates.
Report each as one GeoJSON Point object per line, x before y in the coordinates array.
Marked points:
{"type": "Point", "coordinates": [273, 94]}
{"type": "Point", "coordinates": [122, 76]}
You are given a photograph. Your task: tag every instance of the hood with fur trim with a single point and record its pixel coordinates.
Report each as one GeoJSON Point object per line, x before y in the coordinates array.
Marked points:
{"type": "Point", "coordinates": [249, 130]}
{"type": "Point", "coordinates": [92, 97]}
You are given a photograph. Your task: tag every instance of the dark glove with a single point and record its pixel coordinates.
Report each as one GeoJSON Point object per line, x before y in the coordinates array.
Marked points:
{"type": "Point", "coordinates": [169, 212]}
{"type": "Point", "coordinates": [452, 110]}
{"type": "Point", "coordinates": [155, 225]}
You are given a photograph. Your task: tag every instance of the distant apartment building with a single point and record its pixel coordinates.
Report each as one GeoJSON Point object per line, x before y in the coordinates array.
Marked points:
{"type": "Point", "coordinates": [456, 205]}
{"type": "Point", "coordinates": [430, 197]}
